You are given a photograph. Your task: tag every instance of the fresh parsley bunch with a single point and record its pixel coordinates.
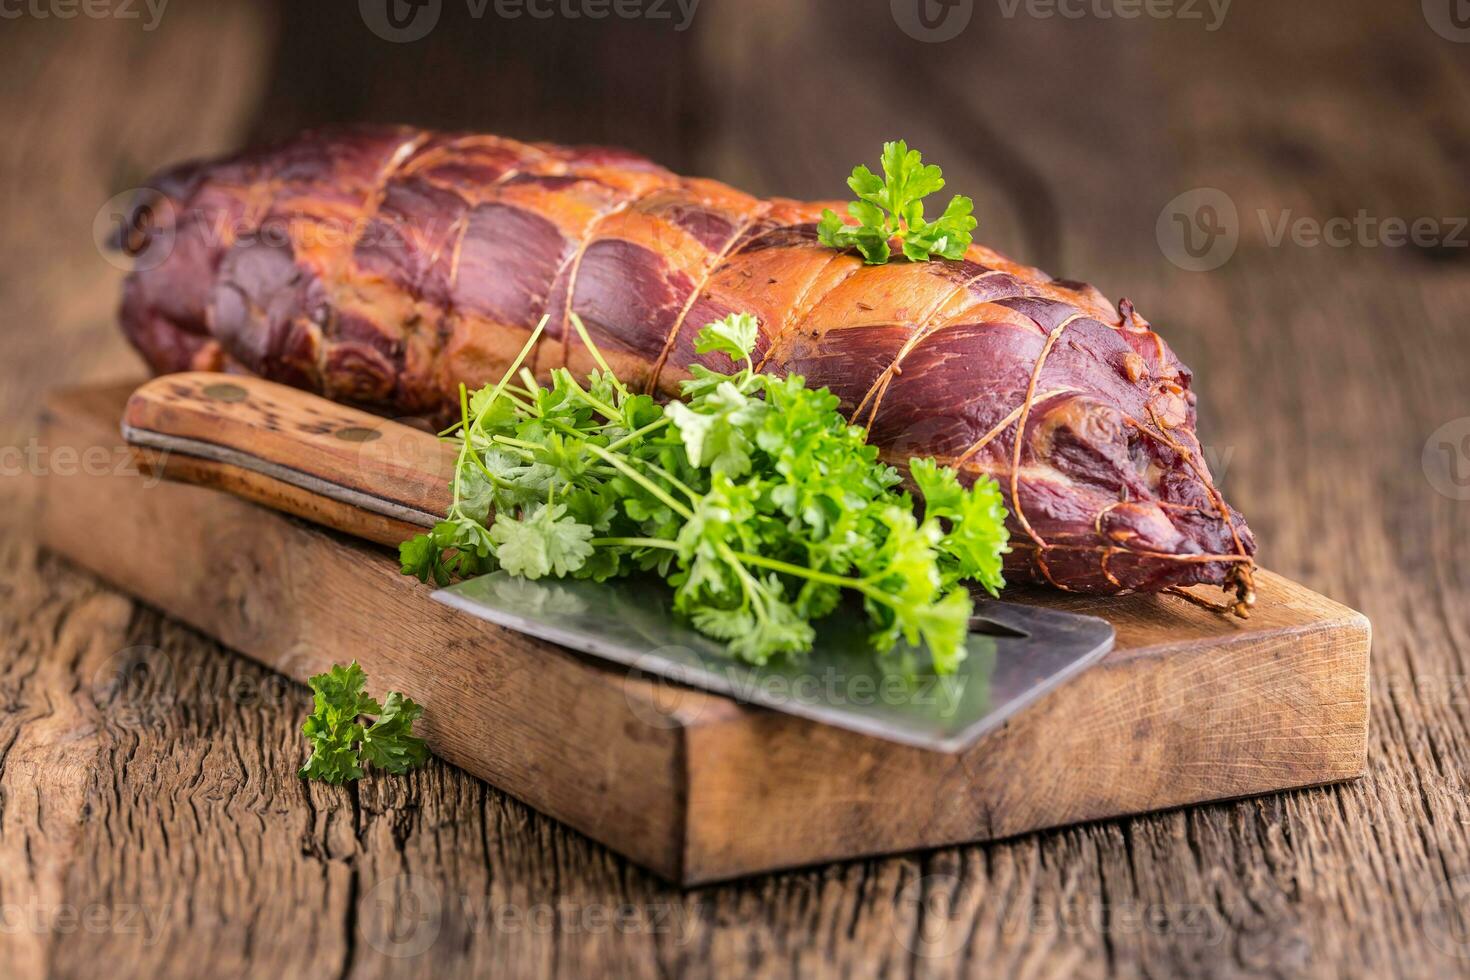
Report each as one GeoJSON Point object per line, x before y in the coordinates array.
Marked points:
{"type": "Point", "coordinates": [751, 495]}
{"type": "Point", "coordinates": [892, 207]}
{"type": "Point", "coordinates": [341, 743]}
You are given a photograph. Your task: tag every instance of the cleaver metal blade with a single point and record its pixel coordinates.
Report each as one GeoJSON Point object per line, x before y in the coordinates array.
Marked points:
{"type": "Point", "coordinates": [1016, 654]}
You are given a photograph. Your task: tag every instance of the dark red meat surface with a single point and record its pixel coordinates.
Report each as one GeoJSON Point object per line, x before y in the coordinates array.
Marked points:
{"type": "Point", "coordinates": [385, 266]}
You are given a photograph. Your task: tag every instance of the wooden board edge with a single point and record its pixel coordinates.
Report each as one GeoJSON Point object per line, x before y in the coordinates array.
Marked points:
{"type": "Point", "coordinates": [697, 876]}
{"type": "Point", "coordinates": [1085, 753]}
{"type": "Point", "coordinates": [641, 813]}
{"type": "Point", "coordinates": [694, 721]}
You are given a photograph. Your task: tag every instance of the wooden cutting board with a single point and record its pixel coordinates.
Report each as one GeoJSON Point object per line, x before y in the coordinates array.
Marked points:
{"type": "Point", "coordinates": [1190, 706]}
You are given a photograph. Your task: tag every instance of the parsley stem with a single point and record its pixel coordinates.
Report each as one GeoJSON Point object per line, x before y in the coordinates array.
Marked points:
{"type": "Point", "coordinates": [663, 543]}
{"type": "Point", "coordinates": [581, 329]}
{"type": "Point", "coordinates": [499, 483]}
{"type": "Point", "coordinates": [658, 492]}
{"type": "Point", "coordinates": [465, 448]}
{"type": "Point", "coordinates": [603, 409]}
{"type": "Point", "coordinates": [516, 396]}
{"type": "Point", "coordinates": [510, 371]}
{"type": "Point", "coordinates": [561, 426]}
{"type": "Point", "coordinates": [826, 578]}
{"type": "Point", "coordinates": [658, 471]}
{"type": "Point", "coordinates": [747, 581]}
{"type": "Point", "coordinates": [517, 443]}
{"type": "Point", "coordinates": [638, 433]}
{"type": "Point", "coordinates": [677, 483]}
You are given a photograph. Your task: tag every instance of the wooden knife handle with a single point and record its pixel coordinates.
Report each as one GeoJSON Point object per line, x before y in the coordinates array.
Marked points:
{"type": "Point", "coordinates": [367, 476]}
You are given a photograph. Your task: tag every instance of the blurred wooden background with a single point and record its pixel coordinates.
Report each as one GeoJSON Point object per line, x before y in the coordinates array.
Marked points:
{"type": "Point", "coordinates": [1323, 371]}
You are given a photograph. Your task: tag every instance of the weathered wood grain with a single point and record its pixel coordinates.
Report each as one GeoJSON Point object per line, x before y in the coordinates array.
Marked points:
{"type": "Point", "coordinates": [1323, 371]}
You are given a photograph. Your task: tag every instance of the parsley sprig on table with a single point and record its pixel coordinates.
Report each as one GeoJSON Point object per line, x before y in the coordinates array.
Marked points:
{"type": "Point", "coordinates": [751, 495]}
{"type": "Point", "coordinates": [341, 743]}
{"type": "Point", "coordinates": [891, 207]}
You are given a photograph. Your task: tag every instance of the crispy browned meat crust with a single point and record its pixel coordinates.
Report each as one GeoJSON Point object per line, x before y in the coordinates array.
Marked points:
{"type": "Point", "coordinates": [386, 266]}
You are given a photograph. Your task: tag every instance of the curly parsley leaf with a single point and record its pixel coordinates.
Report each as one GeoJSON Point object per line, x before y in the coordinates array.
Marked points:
{"type": "Point", "coordinates": [734, 336]}
{"type": "Point", "coordinates": [423, 558]}
{"type": "Point", "coordinates": [891, 207]}
{"type": "Point", "coordinates": [778, 627]}
{"type": "Point", "coordinates": [389, 742]}
{"type": "Point", "coordinates": [545, 542]}
{"type": "Point", "coordinates": [718, 428]}
{"type": "Point", "coordinates": [340, 743]}
{"type": "Point", "coordinates": [340, 693]}
{"type": "Point", "coordinates": [751, 495]}
{"type": "Point", "coordinates": [335, 759]}
{"type": "Point", "coordinates": [976, 535]}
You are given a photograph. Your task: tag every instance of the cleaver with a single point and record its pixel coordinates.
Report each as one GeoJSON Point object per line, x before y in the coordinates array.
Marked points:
{"type": "Point", "coordinates": [385, 481]}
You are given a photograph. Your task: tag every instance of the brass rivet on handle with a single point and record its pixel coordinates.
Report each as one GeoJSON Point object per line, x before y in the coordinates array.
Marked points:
{"type": "Point", "coordinates": [357, 433]}
{"type": "Point", "coordinates": [225, 392]}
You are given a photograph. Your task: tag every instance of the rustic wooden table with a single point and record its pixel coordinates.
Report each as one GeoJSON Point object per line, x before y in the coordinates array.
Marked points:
{"type": "Point", "coordinates": [165, 833]}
